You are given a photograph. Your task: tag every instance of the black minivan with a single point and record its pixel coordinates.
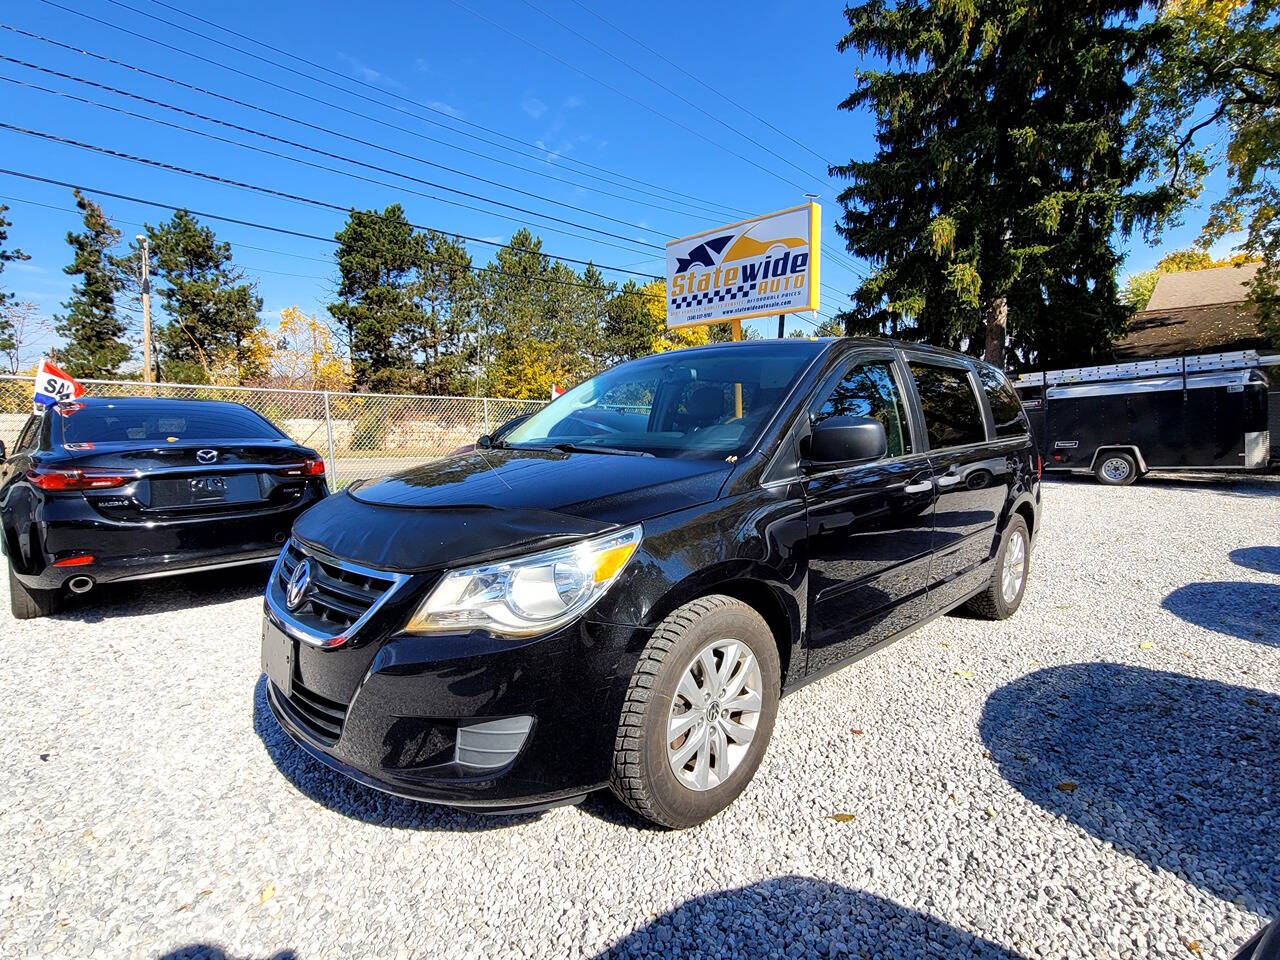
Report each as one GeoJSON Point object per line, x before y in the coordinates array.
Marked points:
{"type": "Point", "coordinates": [618, 592]}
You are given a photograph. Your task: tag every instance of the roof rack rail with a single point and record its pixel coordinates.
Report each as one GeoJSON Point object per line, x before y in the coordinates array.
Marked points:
{"type": "Point", "coordinates": [1164, 366]}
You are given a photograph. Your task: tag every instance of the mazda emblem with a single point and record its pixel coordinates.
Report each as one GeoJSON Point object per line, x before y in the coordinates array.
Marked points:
{"type": "Point", "coordinates": [206, 456]}
{"type": "Point", "coordinates": [296, 591]}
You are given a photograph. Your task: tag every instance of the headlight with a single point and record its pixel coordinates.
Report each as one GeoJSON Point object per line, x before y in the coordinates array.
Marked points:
{"type": "Point", "coordinates": [528, 596]}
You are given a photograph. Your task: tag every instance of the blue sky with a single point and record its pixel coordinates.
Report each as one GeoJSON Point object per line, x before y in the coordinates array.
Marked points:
{"type": "Point", "coordinates": [565, 107]}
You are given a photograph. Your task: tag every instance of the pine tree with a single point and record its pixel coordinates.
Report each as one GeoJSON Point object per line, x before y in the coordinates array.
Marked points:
{"type": "Point", "coordinates": [379, 254]}
{"type": "Point", "coordinates": [442, 341]}
{"type": "Point", "coordinates": [213, 331]}
{"type": "Point", "coordinates": [1003, 168]}
{"type": "Point", "coordinates": [7, 342]}
{"type": "Point", "coordinates": [91, 327]}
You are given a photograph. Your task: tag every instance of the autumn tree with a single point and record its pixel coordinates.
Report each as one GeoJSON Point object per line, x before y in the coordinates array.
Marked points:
{"type": "Point", "coordinates": [305, 355]}
{"type": "Point", "coordinates": [1001, 172]}
{"type": "Point", "coordinates": [7, 256]}
{"type": "Point", "coordinates": [1138, 287]}
{"type": "Point", "coordinates": [1216, 69]}
{"type": "Point", "coordinates": [92, 329]}
{"type": "Point", "coordinates": [213, 333]}
{"type": "Point", "coordinates": [379, 254]}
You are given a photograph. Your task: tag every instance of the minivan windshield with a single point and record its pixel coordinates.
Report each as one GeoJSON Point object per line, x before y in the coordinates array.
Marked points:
{"type": "Point", "coordinates": [688, 403]}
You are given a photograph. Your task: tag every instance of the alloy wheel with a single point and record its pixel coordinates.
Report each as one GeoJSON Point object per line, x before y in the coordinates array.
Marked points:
{"type": "Point", "coordinates": [1015, 566]}
{"type": "Point", "coordinates": [714, 714]}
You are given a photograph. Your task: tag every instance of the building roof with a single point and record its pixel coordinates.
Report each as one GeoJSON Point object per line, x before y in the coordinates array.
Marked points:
{"type": "Point", "coordinates": [1210, 328]}
{"type": "Point", "coordinates": [1200, 288]}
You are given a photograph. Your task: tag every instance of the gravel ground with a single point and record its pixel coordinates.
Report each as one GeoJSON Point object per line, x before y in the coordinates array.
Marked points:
{"type": "Point", "coordinates": [1096, 777]}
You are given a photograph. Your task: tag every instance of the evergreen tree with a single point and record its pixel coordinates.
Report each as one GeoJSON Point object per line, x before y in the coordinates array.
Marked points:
{"type": "Point", "coordinates": [1002, 170]}
{"type": "Point", "coordinates": [7, 342]}
{"type": "Point", "coordinates": [213, 333]}
{"type": "Point", "coordinates": [442, 341]}
{"type": "Point", "coordinates": [379, 255]}
{"type": "Point", "coordinates": [93, 331]}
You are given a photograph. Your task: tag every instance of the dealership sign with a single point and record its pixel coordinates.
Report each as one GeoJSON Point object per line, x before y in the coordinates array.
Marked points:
{"type": "Point", "coordinates": [760, 267]}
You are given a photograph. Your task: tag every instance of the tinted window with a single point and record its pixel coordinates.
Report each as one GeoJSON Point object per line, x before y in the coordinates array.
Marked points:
{"type": "Point", "coordinates": [122, 423]}
{"type": "Point", "coordinates": [1006, 409]}
{"type": "Point", "coordinates": [869, 390]}
{"type": "Point", "coordinates": [952, 414]}
{"type": "Point", "coordinates": [27, 438]}
{"type": "Point", "coordinates": [687, 403]}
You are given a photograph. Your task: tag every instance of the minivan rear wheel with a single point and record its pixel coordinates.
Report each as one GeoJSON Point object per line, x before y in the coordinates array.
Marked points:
{"type": "Point", "coordinates": [699, 713]}
{"type": "Point", "coordinates": [1008, 581]}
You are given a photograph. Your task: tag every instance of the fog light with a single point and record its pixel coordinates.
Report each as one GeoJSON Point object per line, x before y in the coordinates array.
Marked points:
{"type": "Point", "coordinates": [493, 743]}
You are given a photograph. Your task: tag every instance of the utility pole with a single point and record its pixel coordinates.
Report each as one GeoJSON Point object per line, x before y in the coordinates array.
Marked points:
{"type": "Point", "coordinates": [148, 375]}
{"type": "Point", "coordinates": [782, 325]}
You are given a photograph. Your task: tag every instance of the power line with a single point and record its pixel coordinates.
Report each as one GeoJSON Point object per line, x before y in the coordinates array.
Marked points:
{"type": "Point", "coordinates": [330, 240]}
{"type": "Point", "coordinates": [320, 166]}
{"type": "Point", "coordinates": [538, 155]}
{"type": "Point", "coordinates": [721, 94]}
{"type": "Point", "coordinates": [699, 213]}
{"type": "Point", "coordinates": [622, 93]}
{"type": "Point", "coordinates": [675, 93]}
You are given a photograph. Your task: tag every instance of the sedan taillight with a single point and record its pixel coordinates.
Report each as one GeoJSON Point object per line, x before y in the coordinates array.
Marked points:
{"type": "Point", "coordinates": [308, 468]}
{"type": "Point", "coordinates": [75, 480]}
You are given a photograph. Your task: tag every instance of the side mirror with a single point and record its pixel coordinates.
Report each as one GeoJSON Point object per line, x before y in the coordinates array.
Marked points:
{"type": "Point", "coordinates": [484, 441]}
{"type": "Point", "coordinates": [840, 440]}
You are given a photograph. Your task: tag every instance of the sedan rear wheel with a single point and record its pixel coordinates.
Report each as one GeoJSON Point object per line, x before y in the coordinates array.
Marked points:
{"type": "Point", "coordinates": [28, 604]}
{"type": "Point", "coordinates": [699, 712]}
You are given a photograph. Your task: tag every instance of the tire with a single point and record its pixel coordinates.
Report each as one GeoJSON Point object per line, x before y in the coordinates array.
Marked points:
{"type": "Point", "coordinates": [644, 777]}
{"type": "Point", "coordinates": [995, 603]}
{"type": "Point", "coordinates": [28, 604]}
{"type": "Point", "coordinates": [1116, 469]}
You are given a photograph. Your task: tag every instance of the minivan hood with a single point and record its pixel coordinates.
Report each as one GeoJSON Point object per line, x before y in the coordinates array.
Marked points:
{"type": "Point", "coordinates": [486, 504]}
{"type": "Point", "coordinates": [595, 486]}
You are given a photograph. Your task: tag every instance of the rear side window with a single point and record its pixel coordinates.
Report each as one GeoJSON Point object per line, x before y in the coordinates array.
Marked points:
{"type": "Point", "coordinates": [952, 414]}
{"type": "Point", "coordinates": [162, 422]}
{"type": "Point", "coordinates": [27, 438]}
{"type": "Point", "coordinates": [869, 390]}
{"type": "Point", "coordinates": [1006, 408]}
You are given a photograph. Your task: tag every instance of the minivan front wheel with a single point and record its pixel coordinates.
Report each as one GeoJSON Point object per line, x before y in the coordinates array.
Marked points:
{"type": "Point", "coordinates": [699, 712]}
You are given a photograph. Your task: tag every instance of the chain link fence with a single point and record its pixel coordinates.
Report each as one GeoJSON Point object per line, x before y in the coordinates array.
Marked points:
{"type": "Point", "coordinates": [358, 434]}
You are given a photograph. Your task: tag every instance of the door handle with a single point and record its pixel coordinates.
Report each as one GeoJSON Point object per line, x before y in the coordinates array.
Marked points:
{"type": "Point", "coordinates": [947, 481]}
{"type": "Point", "coordinates": [924, 486]}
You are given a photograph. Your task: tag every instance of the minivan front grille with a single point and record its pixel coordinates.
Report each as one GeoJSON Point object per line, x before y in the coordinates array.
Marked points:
{"type": "Point", "coordinates": [321, 716]}
{"type": "Point", "coordinates": [338, 597]}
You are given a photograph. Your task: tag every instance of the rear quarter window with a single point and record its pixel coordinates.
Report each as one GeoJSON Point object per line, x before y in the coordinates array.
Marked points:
{"type": "Point", "coordinates": [1006, 408]}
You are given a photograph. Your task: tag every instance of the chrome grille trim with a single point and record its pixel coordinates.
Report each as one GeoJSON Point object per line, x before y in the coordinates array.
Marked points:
{"type": "Point", "coordinates": [339, 601]}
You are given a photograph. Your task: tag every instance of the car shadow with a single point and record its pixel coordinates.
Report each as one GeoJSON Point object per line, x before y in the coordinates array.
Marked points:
{"type": "Point", "coordinates": [351, 799]}
{"type": "Point", "coordinates": [138, 598]}
{"type": "Point", "coordinates": [1237, 608]}
{"type": "Point", "coordinates": [799, 916]}
{"type": "Point", "coordinates": [1262, 559]}
{"type": "Point", "coordinates": [1178, 771]}
{"type": "Point", "coordinates": [207, 951]}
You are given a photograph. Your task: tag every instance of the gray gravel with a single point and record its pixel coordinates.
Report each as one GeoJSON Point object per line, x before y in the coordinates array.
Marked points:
{"type": "Point", "coordinates": [1097, 777]}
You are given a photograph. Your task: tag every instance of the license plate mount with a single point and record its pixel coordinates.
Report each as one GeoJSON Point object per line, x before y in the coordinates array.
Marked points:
{"type": "Point", "coordinates": [278, 654]}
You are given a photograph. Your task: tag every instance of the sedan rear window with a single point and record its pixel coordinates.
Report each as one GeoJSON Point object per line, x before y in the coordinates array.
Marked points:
{"type": "Point", "coordinates": [162, 422]}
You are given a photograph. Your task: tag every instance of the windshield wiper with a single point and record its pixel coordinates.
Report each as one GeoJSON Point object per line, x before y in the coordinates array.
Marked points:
{"type": "Point", "coordinates": [591, 448]}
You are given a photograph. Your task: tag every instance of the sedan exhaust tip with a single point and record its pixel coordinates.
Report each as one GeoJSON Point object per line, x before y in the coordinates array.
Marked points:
{"type": "Point", "coordinates": [80, 584]}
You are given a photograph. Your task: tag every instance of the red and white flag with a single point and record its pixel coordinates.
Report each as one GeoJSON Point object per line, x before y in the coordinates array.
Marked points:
{"type": "Point", "coordinates": [53, 385]}
{"type": "Point", "coordinates": [557, 391]}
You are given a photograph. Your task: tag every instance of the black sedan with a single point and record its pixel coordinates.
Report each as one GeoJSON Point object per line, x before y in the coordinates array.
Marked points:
{"type": "Point", "coordinates": [104, 490]}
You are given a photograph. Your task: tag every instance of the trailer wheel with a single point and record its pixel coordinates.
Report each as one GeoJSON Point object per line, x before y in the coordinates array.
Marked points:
{"type": "Point", "coordinates": [1116, 469]}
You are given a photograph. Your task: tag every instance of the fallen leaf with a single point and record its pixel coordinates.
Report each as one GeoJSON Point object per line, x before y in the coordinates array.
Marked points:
{"type": "Point", "coordinates": [1066, 786]}
{"type": "Point", "coordinates": [1194, 946]}
{"type": "Point", "coordinates": [1062, 606]}
{"type": "Point", "coordinates": [1251, 701]}
{"type": "Point", "coordinates": [965, 674]}
{"type": "Point", "coordinates": [986, 755]}
{"type": "Point", "coordinates": [1146, 645]}
{"type": "Point", "coordinates": [991, 813]}
{"type": "Point", "coordinates": [268, 892]}
{"type": "Point", "coordinates": [843, 817]}
{"type": "Point", "coordinates": [857, 732]}
{"type": "Point", "coordinates": [943, 643]}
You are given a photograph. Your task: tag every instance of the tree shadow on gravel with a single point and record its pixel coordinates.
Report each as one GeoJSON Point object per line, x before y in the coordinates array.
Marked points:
{"type": "Point", "coordinates": [207, 951]}
{"type": "Point", "coordinates": [799, 917]}
{"type": "Point", "coordinates": [143, 598]}
{"type": "Point", "coordinates": [1178, 771]}
{"type": "Point", "coordinates": [1262, 559]}
{"type": "Point", "coordinates": [1231, 485]}
{"type": "Point", "coordinates": [344, 795]}
{"type": "Point", "coordinates": [1250, 611]}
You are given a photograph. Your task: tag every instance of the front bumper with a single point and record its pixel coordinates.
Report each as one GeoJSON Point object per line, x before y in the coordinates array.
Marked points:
{"type": "Point", "coordinates": [407, 714]}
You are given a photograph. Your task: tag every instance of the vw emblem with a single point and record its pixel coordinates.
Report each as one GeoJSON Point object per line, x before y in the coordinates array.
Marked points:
{"type": "Point", "coordinates": [206, 456]}
{"type": "Point", "coordinates": [296, 591]}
